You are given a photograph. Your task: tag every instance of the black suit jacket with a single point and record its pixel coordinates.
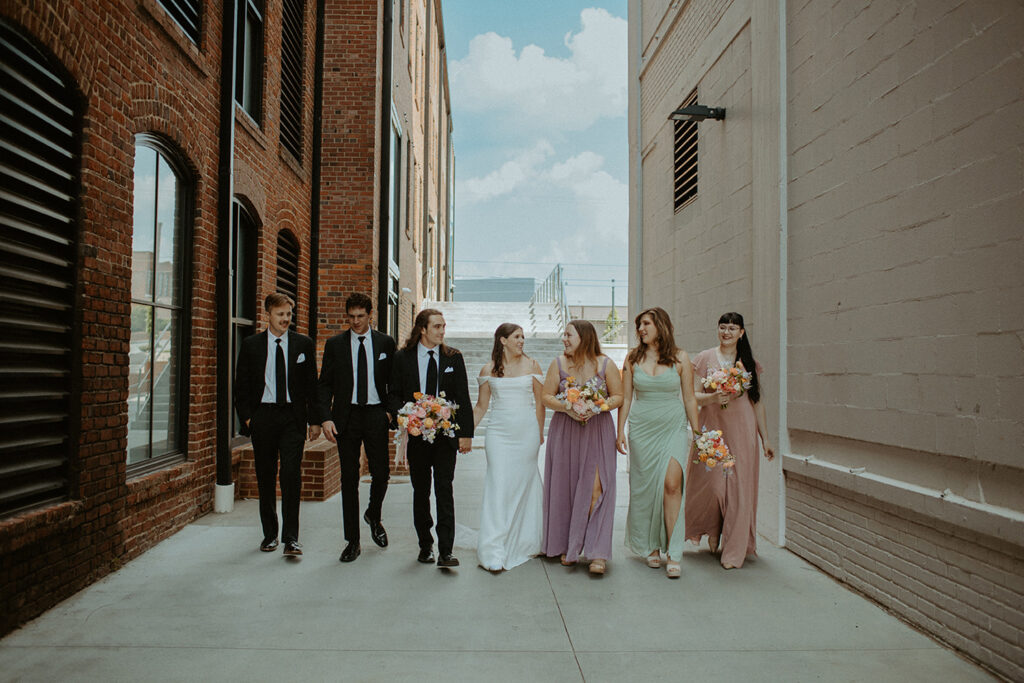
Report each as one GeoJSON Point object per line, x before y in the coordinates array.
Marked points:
{"type": "Point", "coordinates": [451, 379]}
{"type": "Point", "coordinates": [250, 373]}
{"type": "Point", "coordinates": [337, 376]}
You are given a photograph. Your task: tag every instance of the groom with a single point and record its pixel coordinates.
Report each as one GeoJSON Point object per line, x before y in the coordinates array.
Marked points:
{"type": "Point", "coordinates": [424, 364]}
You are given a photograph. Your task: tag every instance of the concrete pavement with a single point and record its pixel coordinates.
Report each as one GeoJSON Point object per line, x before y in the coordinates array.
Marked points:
{"type": "Point", "coordinates": [206, 605]}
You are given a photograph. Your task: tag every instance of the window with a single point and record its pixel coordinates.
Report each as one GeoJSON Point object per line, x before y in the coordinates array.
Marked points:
{"type": "Point", "coordinates": [288, 270]}
{"type": "Point", "coordinates": [39, 170]}
{"type": "Point", "coordinates": [249, 60]}
{"type": "Point", "coordinates": [156, 364]}
{"type": "Point", "coordinates": [291, 76]}
{"type": "Point", "coordinates": [186, 14]}
{"type": "Point", "coordinates": [243, 305]}
{"type": "Point", "coordinates": [394, 223]}
{"type": "Point", "coordinates": [685, 158]}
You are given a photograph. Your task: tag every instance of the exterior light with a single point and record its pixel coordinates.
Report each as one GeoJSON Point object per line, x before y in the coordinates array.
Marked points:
{"type": "Point", "coordinates": [697, 112]}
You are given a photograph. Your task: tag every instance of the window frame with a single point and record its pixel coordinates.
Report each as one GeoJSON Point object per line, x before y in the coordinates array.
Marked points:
{"type": "Point", "coordinates": [240, 208]}
{"type": "Point", "coordinates": [248, 75]}
{"type": "Point", "coordinates": [178, 15]}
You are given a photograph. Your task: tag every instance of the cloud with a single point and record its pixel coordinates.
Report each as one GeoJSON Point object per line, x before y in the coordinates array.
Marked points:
{"type": "Point", "coordinates": [538, 90]}
{"type": "Point", "coordinates": [510, 175]}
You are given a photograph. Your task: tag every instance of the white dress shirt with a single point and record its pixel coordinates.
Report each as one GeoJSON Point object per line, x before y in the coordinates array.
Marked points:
{"type": "Point", "coordinates": [270, 374]}
{"type": "Point", "coordinates": [372, 398]}
{"type": "Point", "coordinates": [423, 358]}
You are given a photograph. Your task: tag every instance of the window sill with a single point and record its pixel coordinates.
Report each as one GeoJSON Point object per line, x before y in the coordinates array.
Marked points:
{"type": "Point", "coordinates": [176, 34]}
{"type": "Point", "coordinates": [294, 164]}
{"type": "Point", "coordinates": [249, 125]}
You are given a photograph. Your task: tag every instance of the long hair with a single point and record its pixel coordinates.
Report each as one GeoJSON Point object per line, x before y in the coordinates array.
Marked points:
{"type": "Point", "coordinates": [744, 353]}
{"type": "Point", "coordinates": [666, 342]}
{"type": "Point", "coordinates": [420, 324]}
{"type": "Point", "coordinates": [590, 345]}
{"type": "Point", "coordinates": [504, 331]}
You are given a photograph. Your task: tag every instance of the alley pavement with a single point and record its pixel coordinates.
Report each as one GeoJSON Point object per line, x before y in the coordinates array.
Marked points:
{"type": "Point", "coordinates": [207, 605]}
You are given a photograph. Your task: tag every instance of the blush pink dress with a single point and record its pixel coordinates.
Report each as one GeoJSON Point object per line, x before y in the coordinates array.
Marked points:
{"type": "Point", "coordinates": [718, 504]}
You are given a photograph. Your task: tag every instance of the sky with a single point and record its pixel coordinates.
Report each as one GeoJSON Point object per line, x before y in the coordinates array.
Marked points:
{"type": "Point", "coordinates": [539, 105]}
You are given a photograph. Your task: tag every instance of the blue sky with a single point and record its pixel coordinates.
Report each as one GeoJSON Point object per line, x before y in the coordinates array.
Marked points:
{"type": "Point", "coordinates": [539, 102]}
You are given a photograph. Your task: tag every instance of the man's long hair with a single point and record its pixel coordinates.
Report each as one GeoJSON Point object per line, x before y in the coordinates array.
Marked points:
{"type": "Point", "coordinates": [419, 325]}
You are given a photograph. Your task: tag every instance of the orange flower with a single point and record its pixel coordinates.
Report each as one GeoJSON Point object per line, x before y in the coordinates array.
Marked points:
{"type": "Point", "coordinates": [417, 395]}
{"type": "Point", "coordinates": [572, 395]}
{"type": "Point", "coordinates": [428, 422]}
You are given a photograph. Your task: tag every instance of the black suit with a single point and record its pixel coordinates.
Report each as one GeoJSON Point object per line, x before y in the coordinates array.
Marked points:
{"type": "Point", "coordinates": [437, 460]}
{"type": "Point", "coordinates": [277, 429]}
{"type": "Point", "coordinates": [357, 425]}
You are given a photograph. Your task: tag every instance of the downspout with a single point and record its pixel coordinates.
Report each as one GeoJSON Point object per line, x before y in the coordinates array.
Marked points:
{"type": "Point", "coordinates": [637, 287]}
{"type": "Point", "coordinates": [425, 255]}
{"type": "Point", "coordinates": [385, 175]}
{"type": "Point", "coordinates": [224, 492]}
{"type": "Point", "coordinates": [783, 423]}
{"type": "Point", "coordinates": [314, 208]}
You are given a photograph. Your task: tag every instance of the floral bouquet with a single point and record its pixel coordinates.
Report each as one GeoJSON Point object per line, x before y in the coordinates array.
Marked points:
{"type": "Point", "coordinates": [428, 415]}
{"type": "Point", "coordinates": [712, 451]}
{"type": "Point", "coordinates": [734, 381]}
{"type": "Point", "coordinates": [585, 401]}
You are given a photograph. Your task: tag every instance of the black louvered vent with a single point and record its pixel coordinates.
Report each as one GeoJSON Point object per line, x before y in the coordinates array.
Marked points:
{"type": "Point", "coordinates": [291, 76]}
{"type": "Point", "coordinates": [186, 13]}
{"type": "Point", "coordinates": [685, 158]}
{"type": "Point", "coordinates": [39, 167]}
{"type": "Point", "coordinates": [288, 269]}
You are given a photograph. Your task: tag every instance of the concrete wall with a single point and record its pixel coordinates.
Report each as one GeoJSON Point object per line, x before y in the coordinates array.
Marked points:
{"type": "Point", "coordinates": [887, 293]}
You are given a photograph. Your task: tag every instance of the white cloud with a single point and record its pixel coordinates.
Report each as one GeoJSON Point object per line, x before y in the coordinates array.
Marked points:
{"type": "Point", "coordinates": [535, 89]}
{"type": "Point", "coordinates": [510, 175]}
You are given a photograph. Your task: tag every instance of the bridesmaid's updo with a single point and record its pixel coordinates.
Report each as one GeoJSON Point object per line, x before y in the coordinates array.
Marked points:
{"type": "Point", "coordinates": [745, 354]}
{"type": "Point", "coordinates": [504, 331]}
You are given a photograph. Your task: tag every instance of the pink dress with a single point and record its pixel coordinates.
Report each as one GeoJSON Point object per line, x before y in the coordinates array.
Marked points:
{"type": "Point", "coordinates": [718, 504]}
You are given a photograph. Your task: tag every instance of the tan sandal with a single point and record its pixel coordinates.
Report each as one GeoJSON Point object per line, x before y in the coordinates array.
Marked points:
{"type": "Point", "coordinates": [654, 560]}
{"type": "Point", "coordinates": [566, 563]}
{"type": "Point", "coordinates": [672, 569]}
{"type": "Point", "coordinates": [597, 566]}
{"type": "Point", "coordinates": [713, 545]}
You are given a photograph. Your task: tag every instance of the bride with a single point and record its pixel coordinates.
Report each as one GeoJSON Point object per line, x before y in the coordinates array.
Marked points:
{"type": "Point", "coordinates": [510, 517]}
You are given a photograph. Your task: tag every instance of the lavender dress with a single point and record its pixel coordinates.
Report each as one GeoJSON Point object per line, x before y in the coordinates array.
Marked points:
{"type": "Point", "coordinates": [574, 452]}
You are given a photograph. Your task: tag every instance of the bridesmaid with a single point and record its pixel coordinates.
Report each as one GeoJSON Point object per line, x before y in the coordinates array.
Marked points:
{"type": "Point", "coordinates": [510, 514]}
{"type": "Point", "coordinates": [719, 505]}
{"type": "Point", "coordinates": [579, 462]}
{"type": "Point", "coordinates": [657, 371]}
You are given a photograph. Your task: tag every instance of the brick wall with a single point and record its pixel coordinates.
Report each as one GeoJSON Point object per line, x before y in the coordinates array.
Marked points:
{"type": "Point", "coordinates": [964, 588]}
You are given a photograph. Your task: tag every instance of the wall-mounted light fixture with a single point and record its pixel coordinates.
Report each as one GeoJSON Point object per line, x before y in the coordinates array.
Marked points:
{"type": "Point", "coordinates": [697, 112]}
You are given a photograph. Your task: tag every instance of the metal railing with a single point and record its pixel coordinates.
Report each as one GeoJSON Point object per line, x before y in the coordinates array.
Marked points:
{"type": "Point", "coordinates": [552, 291]}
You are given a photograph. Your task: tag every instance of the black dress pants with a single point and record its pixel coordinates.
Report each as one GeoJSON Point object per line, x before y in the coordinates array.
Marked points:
{"type": "Point", "coordinates": [275, 432]}
{"type": "Point", "coordinates": [367, 426]}
{"type": "Point", "coordinates": [433, 461]}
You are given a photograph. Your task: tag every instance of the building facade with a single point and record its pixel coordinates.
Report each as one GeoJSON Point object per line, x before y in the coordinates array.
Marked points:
{"type": "Point", "coordinates": [860, 205]}
{"type": "Point", "coordinates": [166, 166]}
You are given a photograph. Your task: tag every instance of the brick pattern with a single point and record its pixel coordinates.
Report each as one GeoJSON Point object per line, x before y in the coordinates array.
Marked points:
{"type": "Point", "coordinates": [966, 590]}
{"type": "Point", "coordinates": [321, 472]}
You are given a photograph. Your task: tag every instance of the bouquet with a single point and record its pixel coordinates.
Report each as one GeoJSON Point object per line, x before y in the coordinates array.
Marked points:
{"type": "Point", "coordinates": [428, 415]}
{"type": "Point", "coordinates": [712, 451]}
{"type": "Point", "coordinates": [587, 400]}
{"type": "Point", "coordinates": [733, 381]}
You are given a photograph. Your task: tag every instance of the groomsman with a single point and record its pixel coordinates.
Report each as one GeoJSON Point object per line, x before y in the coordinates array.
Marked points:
{"type": "Point", "coordinates": [275, 397]}
{"type": "Point", "coordinates": [353, 390]}
{"type": "Point", "coordinates": [425, 364]}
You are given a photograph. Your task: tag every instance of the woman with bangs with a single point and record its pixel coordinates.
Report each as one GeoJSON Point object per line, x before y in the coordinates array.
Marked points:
{"type": "Point", "coordinates": [579, 462]}
{"type": "Point", "coordinates": [658, 400]}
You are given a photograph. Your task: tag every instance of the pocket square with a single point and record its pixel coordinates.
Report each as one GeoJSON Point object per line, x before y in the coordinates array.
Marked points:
{"type": "Point", "coordinates": [382, 356]}
{"type": "Point", "coordinates": [301, 358]}
{"type": "Point", "coordinates": [447, 370]}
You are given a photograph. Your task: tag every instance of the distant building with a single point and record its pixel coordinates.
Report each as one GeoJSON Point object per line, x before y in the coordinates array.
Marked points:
{"type": "Point", "coordinates": [494, 289]}
{"type": "Point", "coordinates": [860, 204]}
{"type": "Point", "coordinates": [612, 329]}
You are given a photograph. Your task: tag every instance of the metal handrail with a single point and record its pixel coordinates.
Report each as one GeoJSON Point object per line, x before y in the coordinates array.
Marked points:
{"type": "Point", "coordinates": [552, 291]}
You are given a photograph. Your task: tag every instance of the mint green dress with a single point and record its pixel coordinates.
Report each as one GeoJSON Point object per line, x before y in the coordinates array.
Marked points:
{"type": "Point", "coordinates": [657, 435]}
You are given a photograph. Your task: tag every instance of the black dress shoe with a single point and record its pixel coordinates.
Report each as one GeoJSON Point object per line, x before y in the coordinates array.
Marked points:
{"type": "Point", "coordinates": [377, 533]}
{"type": "Point", "coordinates": [426, 556]}
{"type": "Point", "coordinates": [292, 549]}
{"type": "Point", "coordinates": [447, 560]}
{"type": "Point", "coordinates": [268, 545]}
{"type": "Point", "coordinates": [350, 552]}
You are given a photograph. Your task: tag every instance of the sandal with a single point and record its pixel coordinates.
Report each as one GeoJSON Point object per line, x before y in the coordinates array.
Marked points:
{"type": "Point", "coordinates": [566, 563]}
{"type": "Point", "coordinates": [597, 566]}
{"type": "Point", "coordinates": [654, 560]}
{"type": "Point", "coordinates": [713, 545]}
{"type": "Point", "coordinates": [672, 569]}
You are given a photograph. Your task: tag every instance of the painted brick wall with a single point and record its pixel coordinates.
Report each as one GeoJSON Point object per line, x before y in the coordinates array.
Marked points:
{"type": "Point", "coordinates": [966, 589]}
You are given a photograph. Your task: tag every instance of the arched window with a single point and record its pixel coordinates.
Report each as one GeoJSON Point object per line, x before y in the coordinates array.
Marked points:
{"type": "Point", "coordinates": [288, 270]}
{"type": "Point", "coordinates": [39, 174]}
{"type": "Point", "coordinates": [157, 402]}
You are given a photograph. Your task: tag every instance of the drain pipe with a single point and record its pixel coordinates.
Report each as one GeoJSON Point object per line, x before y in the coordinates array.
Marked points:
{"type": "Point", "coordinates": [224, 492]}
{"type": "Point", "coordinates": [386, 177]}
{"type": "Point", "coordinates": [636, 288]}
{"type": "Point", "coordinates": [314, 208]}
{"type": "Point", "coordinates": [783, 422]}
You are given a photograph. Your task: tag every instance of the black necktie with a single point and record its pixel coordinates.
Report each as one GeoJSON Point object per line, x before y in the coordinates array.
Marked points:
{"type": "Point", "coordinates": [431, 387]}
{"type": "Point", "coordinates": [362, 392]}
{"type": "Point", "coordinates": [281, 386]}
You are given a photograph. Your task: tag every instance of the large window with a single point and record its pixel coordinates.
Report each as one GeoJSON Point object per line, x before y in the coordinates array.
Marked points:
{"type": "Point", "coordinates": [244, 308]}
{"type": "Point", "coordinates": [292, 62]}
{"type": "Point", "coordinates": [156, 401]}
{"type": "Point", "coordinates": [186, 13]}
{"type": "Point", "coordinates": [39, 170]}
{"type": "Point", "coordinates": [249, 60]}
{"type": "Point", "coordinates": [685, 158]}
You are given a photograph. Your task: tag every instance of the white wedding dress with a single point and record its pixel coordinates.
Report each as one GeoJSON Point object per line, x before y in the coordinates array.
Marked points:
{"type": "Point", "coordinates": [511, 522]}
